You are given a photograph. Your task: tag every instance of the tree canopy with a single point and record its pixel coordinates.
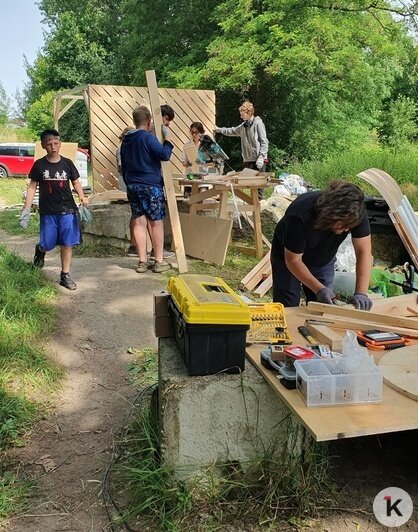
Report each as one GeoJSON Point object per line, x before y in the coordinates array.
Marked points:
{"type": "Point", "coordinates": [321, 73]}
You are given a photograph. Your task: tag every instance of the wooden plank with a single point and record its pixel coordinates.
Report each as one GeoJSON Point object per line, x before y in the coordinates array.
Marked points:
{"type": "Point", "coordinates": [264, 287]}
{"type": "Point", "coordinates": [257, 223]}
{"type": "Point", "coordinates": [206, 237]}
{"type": "Point", "coordinates": [256, 272]}
{"type": "Point", "coordinates": [265, 239]}
{"type": "Point", "coordinates": [395, 305]}
{"type": "Point", "coordinates": [200, 196]}
{"type": "Point", "coordinates": [325, 335]}
{"type": "Point", "coordinates": [167, 175]}
{"type": "Point", "coordinates": [363, 315]}
{"type": "Point", "coordinates": [356, 325]}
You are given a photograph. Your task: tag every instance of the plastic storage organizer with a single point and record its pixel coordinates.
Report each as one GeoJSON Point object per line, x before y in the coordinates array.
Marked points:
{"type": "Point", "coordinates": [329, 382]}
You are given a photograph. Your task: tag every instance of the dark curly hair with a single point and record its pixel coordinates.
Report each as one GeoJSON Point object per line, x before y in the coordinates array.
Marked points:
{"type": "Point", "coordinates": [340, 202]}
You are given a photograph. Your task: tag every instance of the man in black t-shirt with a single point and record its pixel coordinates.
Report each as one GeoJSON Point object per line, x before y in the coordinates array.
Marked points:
{"type": "Point", "coordinates": [57, 208]}
{"type": "Point", "coordinates": [306, 241]}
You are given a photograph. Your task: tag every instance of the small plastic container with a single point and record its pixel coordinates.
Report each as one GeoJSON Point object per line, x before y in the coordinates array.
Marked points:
{"type": "Point", "coordinates": [330, 382]}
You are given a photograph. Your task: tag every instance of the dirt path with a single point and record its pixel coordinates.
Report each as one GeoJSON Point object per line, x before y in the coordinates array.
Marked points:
{"type": "Point", "coordinates": [110, 311]}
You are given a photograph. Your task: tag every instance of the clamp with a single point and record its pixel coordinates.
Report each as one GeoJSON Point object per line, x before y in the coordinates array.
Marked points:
{"type": "Point", "coordinates": [408, 284]}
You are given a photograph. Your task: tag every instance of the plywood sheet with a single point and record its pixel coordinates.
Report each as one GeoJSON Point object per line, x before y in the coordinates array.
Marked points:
{"type": "Point", "coordinates": [400, 370]}
{"type": "Point", "coordinates": [396, 413]}
{"type": "Point", "coordinates": [205, 237]}
{"type": "Point", "coordinates": [68, 149]}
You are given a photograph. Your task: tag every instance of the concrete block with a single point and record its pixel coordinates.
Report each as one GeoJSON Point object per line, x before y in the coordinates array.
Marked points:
{"type": "Point", "coordinates": [110, 220]}
{"type": "Point", "coordinates": [216, 419]}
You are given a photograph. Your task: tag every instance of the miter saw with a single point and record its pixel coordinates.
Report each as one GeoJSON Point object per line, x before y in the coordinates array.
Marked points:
{"type": "Point", "coordinates": [210, 152]}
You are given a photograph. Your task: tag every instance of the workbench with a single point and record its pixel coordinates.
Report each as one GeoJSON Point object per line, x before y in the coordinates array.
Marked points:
{"type": "Point", "coordinates": [396, 413]}
{"type": "Point", "coordinates": [219, 193]}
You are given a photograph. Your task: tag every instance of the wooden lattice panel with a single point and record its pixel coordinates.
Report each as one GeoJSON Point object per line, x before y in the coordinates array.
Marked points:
{"type": "Point", "coordinates": [110, 109]}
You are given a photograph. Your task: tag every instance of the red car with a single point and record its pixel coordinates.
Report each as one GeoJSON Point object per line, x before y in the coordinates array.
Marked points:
{"type": "Point", "coordinates": [16, 158]}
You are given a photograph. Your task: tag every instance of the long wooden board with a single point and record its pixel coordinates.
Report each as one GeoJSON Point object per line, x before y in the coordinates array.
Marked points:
{"type": "Point", "coordinates": [400, 370]}
{"type": "Point", "coordinates": [206, 237]}
{"type": "Point", "coordinates": [363, 315]}
{"type": "Point", "coordinates": [167, 176]}
{"type": "Point", "coordinates": [339, 322]}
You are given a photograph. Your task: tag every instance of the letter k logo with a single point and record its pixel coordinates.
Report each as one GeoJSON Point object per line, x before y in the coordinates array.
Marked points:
{"type": "Point", "coordinates": [392, 507]}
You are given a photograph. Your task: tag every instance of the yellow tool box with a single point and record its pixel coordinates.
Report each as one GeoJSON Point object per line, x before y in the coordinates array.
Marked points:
{"type": "Point", "coordinates": [210, 324]}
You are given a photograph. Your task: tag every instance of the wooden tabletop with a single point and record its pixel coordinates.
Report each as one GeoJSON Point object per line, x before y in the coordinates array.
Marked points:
{"type": "Point", "coordinates": [396, 413]}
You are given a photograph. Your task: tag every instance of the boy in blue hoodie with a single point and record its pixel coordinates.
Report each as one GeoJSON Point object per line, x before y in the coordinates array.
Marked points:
{"type": "Point", "coordinates": [141, 156]}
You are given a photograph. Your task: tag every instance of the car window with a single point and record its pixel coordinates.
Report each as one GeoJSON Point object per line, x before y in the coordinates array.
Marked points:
{"type": "Point", "coordinates": [27, 151]}
{"type": "Point", "coordinates": [9, 150]}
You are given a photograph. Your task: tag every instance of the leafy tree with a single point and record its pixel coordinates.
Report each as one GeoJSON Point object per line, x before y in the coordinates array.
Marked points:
{"type": "Point", "coordinates": [171, 38]}
{"type": "Point", "coordinates": [4, 106]}
{"type": "Point", "coordinates": [398, 124]}
{"type": "Point", "coordinates": [317, 74]}
{"type": "Point", "coordinates": [40, 115]}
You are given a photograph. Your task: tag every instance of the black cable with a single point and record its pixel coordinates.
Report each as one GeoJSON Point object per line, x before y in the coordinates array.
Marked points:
{"type": "Point", "coordinates": [115, 457]}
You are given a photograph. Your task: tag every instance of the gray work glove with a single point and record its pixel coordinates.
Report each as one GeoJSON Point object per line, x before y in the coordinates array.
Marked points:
{"type": "Point", "coordinates": [360, 301]}
{"type": "Point", "coordinates": [24, 218]}
{"type": "Point", "coordinates": [165, 132]}
{"type": "Point", "coordinates": [260, 162]}
{"type": "Point", "coordinates": [325, 295]}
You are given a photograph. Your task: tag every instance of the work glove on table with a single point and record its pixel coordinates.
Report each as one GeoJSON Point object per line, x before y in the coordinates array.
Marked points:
{"type": "Point", "coordinates": [360, 301]}
{"type": "Point", "coordinates": [24, 218]}
{"type": "Point", "coordinates": [260, 162]}
{"type": "Point", "coordinates": [325, 295]}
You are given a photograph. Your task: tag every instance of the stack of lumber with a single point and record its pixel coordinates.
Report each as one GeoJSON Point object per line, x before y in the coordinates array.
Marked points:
{"type": "Point", "coordinates": [401, 212]}
{"type": "Point", "coordinates": [259, 280]}
{"type": "Point", "coordinates": [397, 314]}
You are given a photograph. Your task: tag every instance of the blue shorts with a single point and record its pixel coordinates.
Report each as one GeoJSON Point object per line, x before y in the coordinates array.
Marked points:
{"type": "Point", "coordinates": [58, 230]}
{"type": "Point", "coordinates": [146, 200]}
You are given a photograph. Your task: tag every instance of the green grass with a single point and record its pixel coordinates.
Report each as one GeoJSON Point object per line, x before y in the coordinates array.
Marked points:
{"type": "Point", "coordinates": [11, 189]}
{"type": "Point", "coordinates": [97, 249]}
{"type": "Point", "coordinates": [14, 492]}
{"type": "Point", "coordinates": [143, 370]}
{"type": "Point", "coordinates": [402, 166]}
{"type": "Point", "coordinates": [276, 485]}
{"type": "Point", "coordinates": [27, 377]}
{"type": "Point", "coordinates": [15, 134]}
{"type": "Point", "coordinates": [9, 222]}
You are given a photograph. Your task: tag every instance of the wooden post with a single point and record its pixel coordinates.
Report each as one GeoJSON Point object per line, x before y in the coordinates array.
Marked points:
{"type": "Point", "coordinates": [257, 223]}
{"type": "Point", "coordinates": [167, 175]}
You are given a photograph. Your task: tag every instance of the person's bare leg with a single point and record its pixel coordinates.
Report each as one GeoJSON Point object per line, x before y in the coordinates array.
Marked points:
{"type": "Point", "coordinates": [157, 238]}
{"type": "Point", "coordinates": [131, 230]}
{"type": "Point", "coordinates": [140, 236]}
{"type": "Point", "coordinates": [66, 253]}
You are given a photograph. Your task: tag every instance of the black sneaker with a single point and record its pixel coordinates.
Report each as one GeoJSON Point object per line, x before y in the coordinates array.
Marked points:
{"type": "Point", "coordinates": [39, 258]}
{"type": "Point", "coordinates": [67, 282]}
{"type": "Point", "coordinates": [132, 252]}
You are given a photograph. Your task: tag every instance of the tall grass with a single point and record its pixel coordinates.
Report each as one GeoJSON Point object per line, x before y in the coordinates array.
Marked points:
{"type": "Point", "coordinates": [277, 484]}
{"type": "Point", "coordinates": [401, 165]}
{"type": "Point", "coordinates": [11, 189]}
{"type": "Point", "coordinates": [27, 378]}
{"type": "Point", "coordinates": [9, 222]}
{"type": "Point", "coordinates": [15, 134]}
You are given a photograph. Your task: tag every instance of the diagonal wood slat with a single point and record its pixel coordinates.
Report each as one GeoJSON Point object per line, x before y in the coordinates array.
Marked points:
{"type": "Point", "coordinates": [110, 110]}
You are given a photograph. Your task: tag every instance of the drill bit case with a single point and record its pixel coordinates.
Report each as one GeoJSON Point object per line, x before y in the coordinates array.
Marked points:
{"type": "Point", "coordinates": [210, 324]}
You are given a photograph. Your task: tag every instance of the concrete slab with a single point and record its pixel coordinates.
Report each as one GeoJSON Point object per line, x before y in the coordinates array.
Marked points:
{"type": "Point", "coordinates": [218, 419]}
